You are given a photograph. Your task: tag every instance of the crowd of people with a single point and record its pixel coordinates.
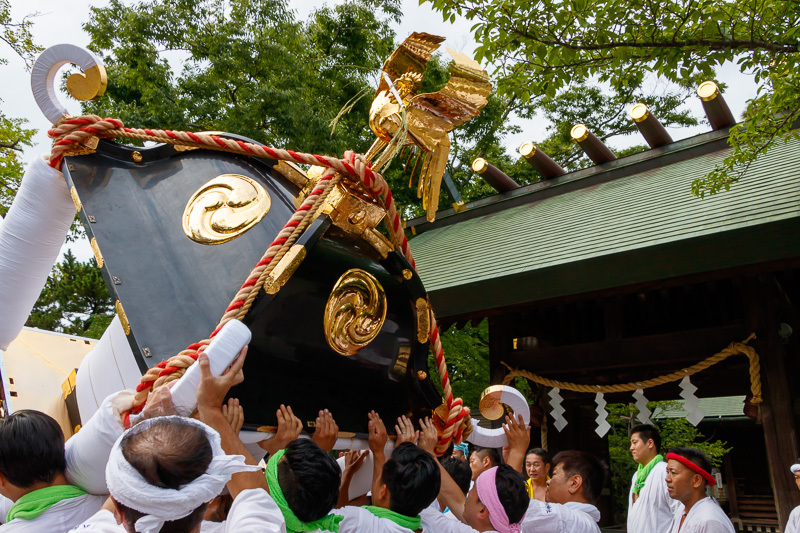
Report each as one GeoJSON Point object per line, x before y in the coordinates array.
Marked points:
{"type": "Point", "coordinates": [172, 474]}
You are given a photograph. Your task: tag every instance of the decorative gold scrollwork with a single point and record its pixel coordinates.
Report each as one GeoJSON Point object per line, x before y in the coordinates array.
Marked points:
{"type": "Point", "coordinates": [355, 312]}
{"type": "Point", "coordinates": [224, 208]}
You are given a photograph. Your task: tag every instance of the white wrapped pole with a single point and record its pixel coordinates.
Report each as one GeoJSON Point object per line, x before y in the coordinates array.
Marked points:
{"type": "Point", "coordinates": [222, 350]}
{"type": "Point", "coordinates": [33, 231]}
{"type": "Point", "coordinates": [109, 368]}
{"type": "Point", "coordinates": [491, 407]}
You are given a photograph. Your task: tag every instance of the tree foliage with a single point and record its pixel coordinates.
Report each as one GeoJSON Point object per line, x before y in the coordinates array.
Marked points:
{"type": "Point", "coordinates": [467, 354]}
{"type": "Point", "coordinates": [544, 47]}
{"type": "Point", "coordinates": [74, 300]}
{"type": "Point", "coordinates": [13, 134]}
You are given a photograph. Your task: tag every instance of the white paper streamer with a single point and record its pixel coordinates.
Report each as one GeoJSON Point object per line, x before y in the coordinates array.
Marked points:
{"type": "Point", "coordinates": [602, 423]}
{"type": "Point", "coordinates": [556, 410]}
{"type": "Point", "coordinates": [34, 229]}
{"type": "Point", "coordinates": [641, 404]}
{"type": "Point", "coordinates": [691, 403]}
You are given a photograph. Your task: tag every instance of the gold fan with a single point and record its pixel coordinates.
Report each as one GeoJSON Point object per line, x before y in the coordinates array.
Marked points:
{"type": "Point", "coordinates": [429, 116]}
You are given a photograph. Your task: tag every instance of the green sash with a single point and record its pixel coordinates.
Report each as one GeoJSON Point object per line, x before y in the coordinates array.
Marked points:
{"type": "Point", "coordinates": [38, 501]}
{"type": "Point", "coordinates": [294, 524]}
{"type": "Point", "coordinates": [409, 522]}
{"type": "Point", "coordinates": [643, 471]}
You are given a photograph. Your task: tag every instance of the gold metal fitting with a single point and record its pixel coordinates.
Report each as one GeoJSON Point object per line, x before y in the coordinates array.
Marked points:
{"type": "Point", "coordinates": [123, 318]}
{"type": "Point", "coordinates": [639, 112]}
{"type": "Point", "coordinates": [355, 312]}
{"type": "Point", "coordinates": [708, 90]}
{"type": "Point", "coordinates": [490, 405]}
{"type": "Point", "coordinates": [527, 150]}
{"type": "Point", "coordinates": [136, 156]}
{"type": "Point", "coordinates": [480, 165]}
{"type": "Point", "coordinates": [459, 207]}
{"type": "Point", "coordinates": [88, 85]}
{"type": "Point", "coordinates": [97, 255]}
{"type": "Point", "coordinates": [423, 320]}
{"type": "Point", "coordinates": [75, 199]}
{"type": "Point", "coordinates": [579, 132]}
{"type": "Point", "coordinates": [422, 375]}
{"type": "Point", "coordinates": [407, 274]}
{"type": "Point", "coordinates": [284, 269]}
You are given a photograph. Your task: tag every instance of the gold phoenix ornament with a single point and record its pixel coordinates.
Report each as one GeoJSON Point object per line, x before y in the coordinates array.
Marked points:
{"type": "Point", "coordinates": [224, 208]}
{"type": "Point", "coordinates": [402, 118]}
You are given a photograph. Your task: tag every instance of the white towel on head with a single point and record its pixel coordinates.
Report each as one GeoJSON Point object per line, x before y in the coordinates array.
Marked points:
{"type": "Point", "coordinates": [795, 468]}
{"type": "Point", "coordinates": [160, 505]}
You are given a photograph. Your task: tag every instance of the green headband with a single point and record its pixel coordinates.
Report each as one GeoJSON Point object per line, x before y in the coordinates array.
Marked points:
{"type": "Point", "coordinates": [294, 524]}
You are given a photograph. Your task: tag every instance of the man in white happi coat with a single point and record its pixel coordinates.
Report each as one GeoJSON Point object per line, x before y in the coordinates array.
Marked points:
{"type": "Point", "coordinates": [688, 475]}
{"type": "Point", "coordinates": [650, 509]}
{"type": "Point", "coordinates": [793, 525]}
{"type": "Point", "coordinates": [574, 488]}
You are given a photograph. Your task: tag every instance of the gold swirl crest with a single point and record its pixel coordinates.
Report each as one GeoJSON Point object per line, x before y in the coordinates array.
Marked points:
{"type": "Point", "coordinates": [224, 208]}
{"type": "Point", "coordinates": [355, 312]}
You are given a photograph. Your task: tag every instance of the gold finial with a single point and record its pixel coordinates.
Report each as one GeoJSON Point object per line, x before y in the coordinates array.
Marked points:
{"type": "Point", "coordinates": [88, 85]}
{"type": "Point", "coordinates": [639, 112]}
{"type": "Point", "coordinates": [708, 90]}
{"type": "Point", "coordinates": [579, 132]}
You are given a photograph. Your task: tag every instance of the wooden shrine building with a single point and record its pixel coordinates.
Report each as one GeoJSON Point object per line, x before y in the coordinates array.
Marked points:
{"type": "Point", "coordinates": [616, 274]}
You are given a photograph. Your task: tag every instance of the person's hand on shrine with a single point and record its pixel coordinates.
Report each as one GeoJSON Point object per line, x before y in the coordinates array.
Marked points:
{"type": "Point", "coordinates": [519, 438]}
{"type": "Point", "coordinates": [159, 402]}
{"type": "Point", "coordinates": [353, 459]}
{"type": "Point", "coordinates": [378, 437]}
{"type": "Point", "coordinates": [213, 389]}
{"type": "Point", "coordinates": [289, 428]}
{"type": "Point", "coordinates": [428, 436]}
{"type": "Point", "coordinates": [326, 431]}
{"type": "Point", "coordinates": [405, 431]}
{"type": "Point", "coordinates": [234, 413]}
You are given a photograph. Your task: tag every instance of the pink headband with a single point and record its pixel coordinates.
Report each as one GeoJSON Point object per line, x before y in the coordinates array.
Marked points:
{"type": "Point", "coordinates": [711, 480]}
{"type": "Point", "coordinates": [486, 485]}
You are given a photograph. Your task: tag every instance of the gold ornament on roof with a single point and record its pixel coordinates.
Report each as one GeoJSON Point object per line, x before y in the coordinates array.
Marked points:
{"type": "Point", "coordinates": [403, 119]}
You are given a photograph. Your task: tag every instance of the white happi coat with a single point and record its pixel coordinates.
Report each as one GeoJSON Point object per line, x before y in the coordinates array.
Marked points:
{"type": "Point", "coordinates": [59, 518]}
{"type": "Point", "coordinates": [434, 521]}
{"type": "Point", "coordinates": [653, 510]}
{"type": "Point", "coordinates": [572, 517]}
{"type": "Point", "coordinates": [253, 511]}
{"type": "Point", "coordinates": [706, 516]}
{"type": "Point", "coordinates": [793, 525]}
{"type": "Point", "coordinates": [360, 520]}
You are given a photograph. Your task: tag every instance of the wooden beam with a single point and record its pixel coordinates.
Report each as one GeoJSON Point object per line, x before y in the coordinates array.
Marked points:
{"type": "Point", "coordinates": [780, 433]}
{"type": "Point", "coordinates": [652, 350]}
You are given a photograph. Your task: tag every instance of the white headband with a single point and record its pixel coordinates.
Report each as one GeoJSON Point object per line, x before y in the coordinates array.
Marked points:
{"type": "Point", "coordinates": [160, 505]}
{"type": "Point", "coordinates": [794, 468]}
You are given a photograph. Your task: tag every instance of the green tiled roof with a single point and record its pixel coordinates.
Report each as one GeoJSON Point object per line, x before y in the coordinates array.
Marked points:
{"type": "Point", "coordinates": [638, 227]}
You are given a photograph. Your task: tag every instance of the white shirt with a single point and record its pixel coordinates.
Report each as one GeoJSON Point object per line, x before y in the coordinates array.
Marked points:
{"type": "Point", "coordinates": [572, 517]}
{"type": "Point", "coordinates": [59, 518]}
{"type": "Point", "coordinates": [253, 511]}
{"type": "Point", "coordinates": [653, 510]}
{"type": "Point", "coordinates": [434, 521]}
{"type": "Point", "coordinates": [360, 520]}
{"type": "Point", "coordinates": [793, 525]}
{"type": "Point", "coordinates": [705, 516]}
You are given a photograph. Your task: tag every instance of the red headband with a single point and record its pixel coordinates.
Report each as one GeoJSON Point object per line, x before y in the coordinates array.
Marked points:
{"type": "Point", "coordinates": [710, 480]}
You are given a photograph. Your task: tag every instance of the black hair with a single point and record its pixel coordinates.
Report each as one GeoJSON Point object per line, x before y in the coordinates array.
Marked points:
{"type": "Point", "coordinates": [512, 493]}
{"type": "Point", "coordinates": [460, 472]}
{"type": "Point", "coordinates": [495, 455]}
{"type": "Point", "coordinates": [168, 453]}
{"type": "Point", "coordinates": [31, 448]}
{"type": "Point", "coordinates": [546, 459]}
{"type": "Point", "coordinates": [592, 470]}
{"type": "Point", "coordinates": [694, 455]}
{"type": "Point", "coordinates": [647, 432]}
{"type": "Point", "coordinates": [413, 479]}
{"type": "Point", "coordinates": [309, 479]}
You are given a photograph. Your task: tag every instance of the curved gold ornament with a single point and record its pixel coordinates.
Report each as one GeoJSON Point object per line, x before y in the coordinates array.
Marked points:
{"type": "Point", "coordinates": [355, 312]}
{"type": "Point", "coordinates": [90, 84]}
{"type": "Point", "coordinates": [224, 208]}
{"type": "Point", "coordinates": [491, 406]}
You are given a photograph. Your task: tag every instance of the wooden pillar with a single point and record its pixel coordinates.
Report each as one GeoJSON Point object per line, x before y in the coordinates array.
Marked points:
{"type": "Point", "coordinates": [500, 343]}
{"type": "Point", "coordinates": [780, 433]}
